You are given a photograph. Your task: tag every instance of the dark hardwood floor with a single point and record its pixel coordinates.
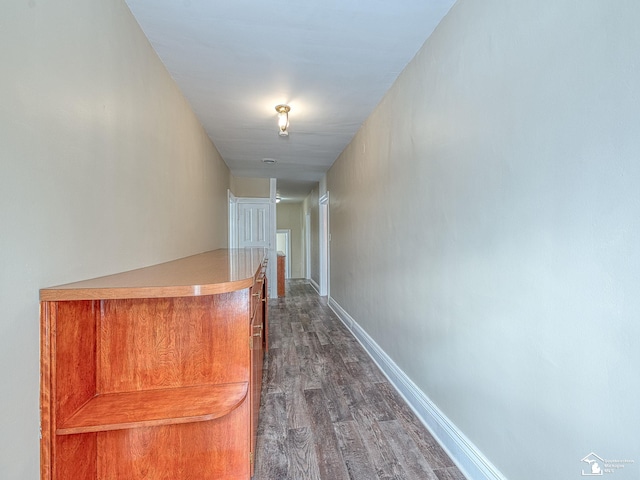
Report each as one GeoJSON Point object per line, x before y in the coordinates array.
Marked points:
{"type": "Point", "coordinates": [327, 411]}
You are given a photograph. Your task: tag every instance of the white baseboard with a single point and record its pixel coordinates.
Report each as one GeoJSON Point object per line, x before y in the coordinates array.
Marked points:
{"type": "Point", "coordinates": [315, 286]}
{"type": "Point", "coordinates": [466, 456]}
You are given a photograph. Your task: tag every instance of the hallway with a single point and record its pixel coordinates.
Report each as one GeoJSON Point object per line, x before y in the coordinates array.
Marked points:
{"type": "Point", "coordinates": [327, 411]}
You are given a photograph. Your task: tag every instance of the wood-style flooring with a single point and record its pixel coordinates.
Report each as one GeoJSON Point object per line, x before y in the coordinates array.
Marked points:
{"type": "Point", "coordinates": [327, 411]}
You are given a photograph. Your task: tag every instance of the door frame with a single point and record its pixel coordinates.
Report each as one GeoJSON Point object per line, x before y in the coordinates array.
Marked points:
{"type": "Point", "coordinates": [233, 219]}
{"type": "Point", "coordinates": [307, 227]}
{"type": "Point", "coordinates": [325, 239]}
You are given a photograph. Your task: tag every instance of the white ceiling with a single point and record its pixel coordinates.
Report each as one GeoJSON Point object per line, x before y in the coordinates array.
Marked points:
{"type": "Point", "coordinates": [330, 60]}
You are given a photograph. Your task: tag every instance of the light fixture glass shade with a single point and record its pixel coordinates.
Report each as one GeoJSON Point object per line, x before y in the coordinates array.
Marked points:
{"type": "Point", "coordinates": [283, 119]}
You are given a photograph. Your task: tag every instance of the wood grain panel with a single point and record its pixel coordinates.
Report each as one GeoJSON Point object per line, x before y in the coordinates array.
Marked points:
{"type": "Point", "coordinates": [46, 415]}
{"type": "Point", "coordinates": [257, 357]}
{"type": "Point", "coordinates": [75, 457]}
{"type": "Point", "coordinates": [173, 342]}
{"type": "Point", "coordinates": [256, 373]}
{"type": "Point", "coordinates": [74, 355]}
{"type": "Point", "coordinates": [146, 408]}
{"type": "Point", "coordinates": [190, 451]}
{"type": "Point", "coordinates": [281, 275]}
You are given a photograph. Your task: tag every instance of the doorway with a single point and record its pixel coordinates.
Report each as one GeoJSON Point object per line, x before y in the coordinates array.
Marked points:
{"type": "Point", "coordinates": [252, 224]}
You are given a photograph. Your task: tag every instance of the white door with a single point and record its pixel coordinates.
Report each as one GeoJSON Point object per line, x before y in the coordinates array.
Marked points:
{"type": "Point", "coordinates": [253, 225]}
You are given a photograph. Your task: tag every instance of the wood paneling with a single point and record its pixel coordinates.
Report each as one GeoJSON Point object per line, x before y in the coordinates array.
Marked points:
{"type": "Point", "coordinates": [173, 342]}
{"type": "Point", "coordinates": [212, 450]}
{"type": "Point", "coordinates": [281, 274]}
{"type": "Point", "coordinates": [166, 386]}
{"type": "Point", "coordinates": [145, 408]}
{"type": "Point", "coordinates": [73, 339]}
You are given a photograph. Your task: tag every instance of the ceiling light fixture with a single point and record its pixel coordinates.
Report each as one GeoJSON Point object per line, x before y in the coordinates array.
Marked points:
{"type": "Point", "coordinates": [283, 119]}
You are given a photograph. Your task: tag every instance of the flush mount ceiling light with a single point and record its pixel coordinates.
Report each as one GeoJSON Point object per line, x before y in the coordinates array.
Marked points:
{"type": "Point", "coordinates": [283, 119]}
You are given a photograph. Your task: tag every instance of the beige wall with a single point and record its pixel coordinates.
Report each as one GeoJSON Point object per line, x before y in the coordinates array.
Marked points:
{"type": "Point", "coordinates": [250, 187]}
{"type": "Point", "coordinates": [485, 224]}
{"type": "Point", "coordinates": [291, 216]}
{"type": "Point", "coordinates": [104, 169]}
